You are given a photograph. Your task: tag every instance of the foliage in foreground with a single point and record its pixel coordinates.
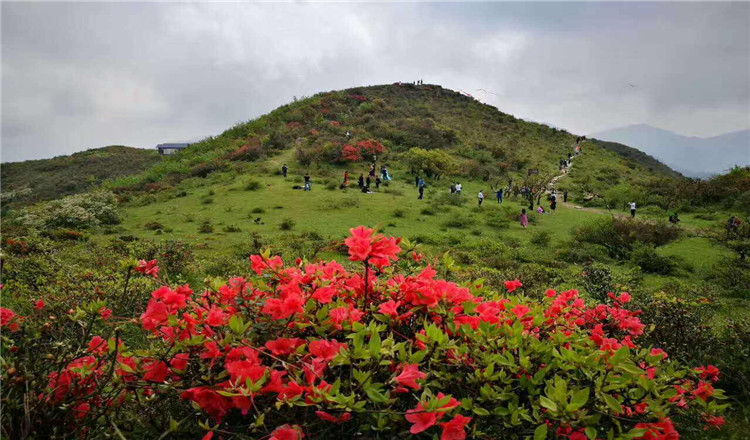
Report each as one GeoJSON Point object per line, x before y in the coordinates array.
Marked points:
{"type": "Point", "coordinates": [312, 349]}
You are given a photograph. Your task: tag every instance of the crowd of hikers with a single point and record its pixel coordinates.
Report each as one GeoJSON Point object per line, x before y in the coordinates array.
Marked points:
{"type": "Point", "coordinates": [376, 176]}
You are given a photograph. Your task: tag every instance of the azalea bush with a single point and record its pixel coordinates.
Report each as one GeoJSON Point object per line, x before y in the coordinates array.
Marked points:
{"type": "Point", "coordinates": [320, 350]}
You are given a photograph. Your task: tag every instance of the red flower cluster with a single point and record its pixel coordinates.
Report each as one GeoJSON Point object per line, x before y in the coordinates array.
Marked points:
{"type": "Point", "coordinates": [351, 153]}
{"type": "Point", "coordinates": [9, 320]}
{"type": "Point", "coordinates": [377, 250]}
{"type": "Point", "coordinates": [359, 98]}
{"type": "Point", "coordinates": [148, 268]}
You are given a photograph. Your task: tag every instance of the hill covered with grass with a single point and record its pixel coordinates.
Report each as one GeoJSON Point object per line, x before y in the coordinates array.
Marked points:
{"type": "Point", "coordinates": [46, 179]}
{"type": "Point", "coordinates": [425, 129]}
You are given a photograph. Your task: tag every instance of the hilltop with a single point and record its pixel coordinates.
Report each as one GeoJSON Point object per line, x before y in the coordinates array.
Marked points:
{"type": "Point", "coordinates": [47, 179]}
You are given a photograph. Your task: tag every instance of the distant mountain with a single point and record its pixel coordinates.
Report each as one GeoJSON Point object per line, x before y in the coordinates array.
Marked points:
{"type": "Point", "coordinates": [45, 179]}
{"type": "Point", "coordinates": [692, 156]}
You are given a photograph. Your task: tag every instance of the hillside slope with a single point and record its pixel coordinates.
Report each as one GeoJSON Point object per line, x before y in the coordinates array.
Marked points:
{"type": "Point", "coordinates": [423, 128]}
{"type": "Point", "coordinates": [46, 179]}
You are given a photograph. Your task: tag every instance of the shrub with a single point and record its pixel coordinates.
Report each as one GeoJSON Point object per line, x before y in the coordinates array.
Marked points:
{"type": "Point", "coordinates": [541, 239]}
{"type": "Point", "coordinates": [427, 211]}
{"type": "Point", "coordinates": [399, 213]}
{"type": "Point", "coordinates": [80, 211]}
{"type": "Point", "coordinates": [153, 226]}
{"type": "Point", "coordinates": [618, 235]}
{"type": "Point", "coordinates": [204, 169]}
{"type": "Point", "coordinates": [257, 211]}
{"type": "Point", "coordinates": [249, 152]}
{"type": "Point", "coordinates": [252, 185]}
{"type": "Point", "coordinates": [207, 201]}
{"type": "Point", "coordinates": [649, 261]}
{"type": "Point", "coordinates": [287, 224]}
{"type": "Point", "coordinates": [206, 227]}
{"type": "Point", "coordinates": [63, 234]}
{"type": "Point", "coordinates": [597, 281]}
{"type": "Point", "coordinates": [312, 348]}
{"type": "Point", "coordinates": [232, 228]}
{"type": "Point", "coordinates": [459, 221]}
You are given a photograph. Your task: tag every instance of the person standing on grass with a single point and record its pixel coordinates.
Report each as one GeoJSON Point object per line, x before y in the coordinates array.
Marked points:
{"type": "Point", "coordinates": [420, 185]}
{"type": "Point", "coordinates": [377, 182]}
{"type": "Point", "coordinates": [284, 170]}
{"type": "Point", "coordinates": [632, 209]}
{"type": "Point", "coordinates": [346, 177]}
{"type": "Point", "coordinates": [553, 206]}
{"type": "Point", "coordinates": [308, 184]}
{"type": "Point", "coordinates": [523, 218]}
{"type": "Point", "coordinates": [499, 194]}
{"type": "Point", "coordinates": [458, 188]}
{"type": "Point", "coordinates": [368, 182]}
{"type": "Point", "coordinates": [361, 180]}
{"type": "Point", "coordinates": [480, 197]}
{"type": "Point", "coordinates": [565, 196]}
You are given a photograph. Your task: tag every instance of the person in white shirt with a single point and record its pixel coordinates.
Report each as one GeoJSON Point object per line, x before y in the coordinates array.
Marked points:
{"type": "Point", "coordinates": [458, 188]}
{"type": "Point", "coordinates": [480, 196]}
{"type": "Point", "coordinates": [632, 209]}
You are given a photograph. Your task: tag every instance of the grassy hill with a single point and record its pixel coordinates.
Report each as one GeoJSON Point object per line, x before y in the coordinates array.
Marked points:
{"type": "Point", "coordinates": [46, 179]}
{"type": "Point", "coordinates": [478, 141]}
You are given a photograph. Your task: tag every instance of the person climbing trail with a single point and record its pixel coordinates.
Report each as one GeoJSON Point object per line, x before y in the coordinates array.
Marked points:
{"type": "Point", "coordinates": [346, 177]}
{"type": "Point", "coordinates": [565, 196]}
{"type": "Point", "coordinates": [421, 185]}
{"type": "Point", "coordinates": [632, 209]}
{"type": "Point", "coordinates": [284, 170]}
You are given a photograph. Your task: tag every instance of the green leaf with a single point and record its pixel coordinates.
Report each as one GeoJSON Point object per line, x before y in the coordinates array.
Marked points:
{"type": "Point", "coordinates": [540, 433]}
{"type": "Point", "coordinates": [375, 395]}
{"type": "Point", "coordinates": [579, 399]}
{"type": "Point", "coordinates": [548, 403]}
{"type": "Point", "coordinates": [590, 432]}
{"type": "Point", "coordinates": [236, 324]}
{"type": "Point", "coordinates": [480, 411]}
{"type": "Point", "coordinates": [620, 355]}
{"type": "Point", "coordinates": [374, 345]}
{"type": "Point", "coordinates": [612, 403]}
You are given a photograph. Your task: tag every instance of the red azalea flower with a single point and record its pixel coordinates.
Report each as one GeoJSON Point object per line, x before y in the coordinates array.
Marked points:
{"type": "Point", "coordinates": [520, 311]}
{"type": "Point", "coordinates": [283, 346]}
{"type": "Point", "coordinates": [156, 371]}
{"type": "Point", "coordinates": [9, 319]}
{"type": "Point", "coordinates": [389, 308]}
{"type": "Point", "coordinates": [512, 285]}
{"type": "Point", "coordinates": [454, 429]}
{"type": "Point", "coordinates": [409, 375]}
{"type": "Point", "coordinates": [325, 350]}
{"type": "Point", "coordinates": [148, 268]}
{"type": "Point", "coordinates": [287, 432]}
{"type": "Point", "coordinates": [708, 372]}
{"type": "Point", "coordinates": [97, 345]}
{"type": "Point", "coordinates": [662, 430]}
{"type": "Point", "coordinates": [713, 421]}
{"type": "Point", "coordinates": [105, 313]}
{"type": "Point", "coordinates": [39, 304]}
{"type": "Point", "coordinates": [322, 415]}
{"type": "Point", "coordinates": [421, 419]}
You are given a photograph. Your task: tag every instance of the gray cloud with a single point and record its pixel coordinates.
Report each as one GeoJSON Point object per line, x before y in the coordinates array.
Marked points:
{"type": "Point", "coordinates": [84, 75]}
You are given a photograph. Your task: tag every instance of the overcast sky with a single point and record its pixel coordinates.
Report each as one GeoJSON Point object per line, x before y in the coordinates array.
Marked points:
{"type": "Point", "coordinates": [85, 75]}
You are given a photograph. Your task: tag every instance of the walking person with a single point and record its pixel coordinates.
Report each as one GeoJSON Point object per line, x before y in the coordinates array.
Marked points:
{"type": "Point", "coordinates": [361, 180]}
{"type": "Point", "coordinates": [308, 184]}
{"type": "Point", "coordinates": [284, 170]}
{"type": "Point", "coordinates": [552, 206]}
{"type": "Point", "coordinates": [499, 194]}
{"type": "Point", "coordinates": [565, 196]}
{"type": "Point", "coordinates": [368, 181]}
{"type": "Point", "coordinates": [420, 185]}
{"type": "Point", "coordinates": [632, 209]}
{"type": "Point", "coordinates": [480, 197]}
{"type": "Point", "coordinates": [458, 188]}
{"type": "Point", "coordinates": [523, 218]}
